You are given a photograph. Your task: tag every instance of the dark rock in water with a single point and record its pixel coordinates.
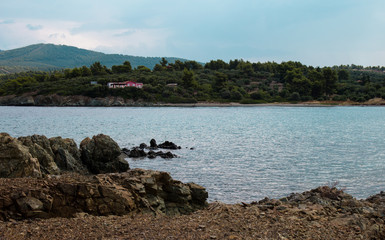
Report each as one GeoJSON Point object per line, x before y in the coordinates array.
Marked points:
{"type": "Point", "coordinates": [102, 154]}
{"type": "Point", "coordinates": [153, 143]}
{"type": "Point", "coordinates": [169, 145]}
{"type": "Point", "coordinates": [165, 155]}
{"type": "Point", "coordinates": [137, 153]}
{"type": "Point", "coordinates": [126, 151]}
{"type": "Point", "coordinates": [151, 154]}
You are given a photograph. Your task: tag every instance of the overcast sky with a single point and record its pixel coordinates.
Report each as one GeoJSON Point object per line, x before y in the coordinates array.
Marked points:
{"type": "Point", "coordinates": [314, 32]}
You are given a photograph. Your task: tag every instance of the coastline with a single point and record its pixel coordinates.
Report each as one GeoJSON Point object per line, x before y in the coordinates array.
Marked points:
{"type": "Point", "coordinates": [83, 199]}
{"type": "Point", "coordinates": [55, 100]}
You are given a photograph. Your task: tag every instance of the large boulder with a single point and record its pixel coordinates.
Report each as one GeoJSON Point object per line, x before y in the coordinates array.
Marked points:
{"type": "Point", "coordinates": [40, 148]}
{"type": "Point", "coordinates": [67, 154]}
{"type": "Point", "coordinates": [15, 159]}
{"type": "Point", "coordinates": [102, 154]}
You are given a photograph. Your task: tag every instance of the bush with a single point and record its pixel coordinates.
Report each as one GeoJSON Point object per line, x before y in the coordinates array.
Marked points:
{"type": "Point", "coordinates": [339, 98]}
{"type": "Point", "coordinates": [295, 96]}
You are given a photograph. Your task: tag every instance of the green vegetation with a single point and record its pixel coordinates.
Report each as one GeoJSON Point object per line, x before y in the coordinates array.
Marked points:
{"type": "Point", "coordinates": [216, 81]}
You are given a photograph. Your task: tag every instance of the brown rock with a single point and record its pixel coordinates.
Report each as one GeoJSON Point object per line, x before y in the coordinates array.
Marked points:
{"type": "Point", "coordinates": [40, 148]}
{"type": "Point", "coordinates": [15, 159]}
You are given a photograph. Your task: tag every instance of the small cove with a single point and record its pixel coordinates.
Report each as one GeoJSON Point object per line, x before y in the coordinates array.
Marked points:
{"type": "Point", "coordinates": [240, 153]}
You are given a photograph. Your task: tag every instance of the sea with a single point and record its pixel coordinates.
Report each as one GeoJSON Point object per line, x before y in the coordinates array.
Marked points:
{"type": "Point", "coordinates": [239, 154]}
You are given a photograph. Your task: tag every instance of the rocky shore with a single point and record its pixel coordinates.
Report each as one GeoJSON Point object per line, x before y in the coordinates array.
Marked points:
{"type": "Point", "coordinates": [322, 213]}
{"type": "Point", "coordinates": [51, 189]}
{"type": "Point", "coordinates": [29, 99]}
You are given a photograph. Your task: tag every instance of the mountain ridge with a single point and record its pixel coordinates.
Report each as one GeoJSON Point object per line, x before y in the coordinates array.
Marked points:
{"type": "Point", "coordinates": [46, 57]}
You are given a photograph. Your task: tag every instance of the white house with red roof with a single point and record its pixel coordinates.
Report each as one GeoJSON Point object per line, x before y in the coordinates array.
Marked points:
{"type": "Point", "coordinates": [124, 84]}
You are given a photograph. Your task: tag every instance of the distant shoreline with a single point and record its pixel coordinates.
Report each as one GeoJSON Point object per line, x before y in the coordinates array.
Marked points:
{"type": "Point", "coordinates": [55, 100]}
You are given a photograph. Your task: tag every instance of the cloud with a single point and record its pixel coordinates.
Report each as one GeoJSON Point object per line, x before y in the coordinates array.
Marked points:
{"type": "Point", "coordinates": [132, 41]}
{"type": "Point", "coordinates": [34, 27]}
{"type": "Point", "coordinates": [7, 21]}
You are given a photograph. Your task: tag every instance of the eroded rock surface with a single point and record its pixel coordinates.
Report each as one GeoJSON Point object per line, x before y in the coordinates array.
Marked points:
{"type": "Point", "coordinates": [16, 160]}
{"type": "Point", "coordinates": [65, 195]}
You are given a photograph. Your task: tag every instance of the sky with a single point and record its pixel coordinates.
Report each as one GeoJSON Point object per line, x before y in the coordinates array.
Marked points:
{"type": "Point", "coordinates": [314, 32]}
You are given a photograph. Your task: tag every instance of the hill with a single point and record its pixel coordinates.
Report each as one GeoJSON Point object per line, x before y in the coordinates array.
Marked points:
{"type": "Point", "coordinates": [45, 57]}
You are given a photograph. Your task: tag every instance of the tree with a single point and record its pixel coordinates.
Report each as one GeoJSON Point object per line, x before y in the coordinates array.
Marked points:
{"type": "Point", "coordinates": [343, 74]}
{"type": "Point", "coordinates": [216, 65]}
{"type": "Point", "coordinates": [143, 69]}
{"type": "Point", "coordinates": [98, 69]}
{"type": "Point", "coordinates": [220, 80]}
{"type": "Point", "coordinates": [188, 78]}
{"type": "Point", "coordinates": [125, 68]}
{"type": "Point", "coordinates": [330, 80]}
{"type": "Point", "coordinates": [86, 71]}
{"type": "Point", "coordinates": [163, 62]}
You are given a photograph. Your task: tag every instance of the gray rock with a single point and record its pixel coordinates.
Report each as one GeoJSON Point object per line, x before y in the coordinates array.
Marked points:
{"type": "Point", "coordinates": [102, 154]}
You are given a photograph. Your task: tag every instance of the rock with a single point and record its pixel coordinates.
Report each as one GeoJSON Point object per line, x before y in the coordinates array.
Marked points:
{"type": "Point", "coordinates": [151, 154]}
{"type": "Point", "coordinates": [169, 145]}
{"type": "Point", "coordinates": [153, 143]}
{"type": "Point", "coordinates": [137, 153]}
{"type": "Point", "coordinates": [101, 154]}
{"type": "Point", "coordinates": [15, 159]}
{"type": "Point", "coordinates": [198, 193]}
{"type": "Point", "coordinates": [39, 147]}
{"type": "Point", "coordinates": [143, 146]}
{"type": "Point", "coordinates": [67, 155]}
{"type": "Point", "coordinates": [67, 144]}
{"type": "Point", "coordinates": [104, 194]}
{"type": "Point", "coordinates": [165, 155]}
{"type": "Point", "coordinates": [26, 204]}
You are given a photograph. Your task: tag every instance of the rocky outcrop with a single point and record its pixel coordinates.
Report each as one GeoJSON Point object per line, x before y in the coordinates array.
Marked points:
{"type": "Point", "coordinates": [101, 154]}
{"type": "Point", "coordinates": [16, 160]}
{"type": "Point", "coordinates": [104, 194]}
{"type": "Point", "coordinates": [34, 156]}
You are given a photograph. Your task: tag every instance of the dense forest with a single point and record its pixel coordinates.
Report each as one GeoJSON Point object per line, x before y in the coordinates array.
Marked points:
{"type": "Point", "coordinates": [216, 81]}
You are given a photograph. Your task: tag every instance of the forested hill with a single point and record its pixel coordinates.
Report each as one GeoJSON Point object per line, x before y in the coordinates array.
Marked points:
{"type": "Point", "coordinates": [216, 81]}
{"type": "Point", "coordinates": [46, 57]}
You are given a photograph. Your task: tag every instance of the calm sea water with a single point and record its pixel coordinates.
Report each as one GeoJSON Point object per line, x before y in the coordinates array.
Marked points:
{"type": "Point", "coordinates": [241, 153]}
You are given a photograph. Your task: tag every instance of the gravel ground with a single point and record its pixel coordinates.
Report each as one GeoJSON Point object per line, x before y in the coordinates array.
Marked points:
{"type": "Point", "coordinates": [218, 221]}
